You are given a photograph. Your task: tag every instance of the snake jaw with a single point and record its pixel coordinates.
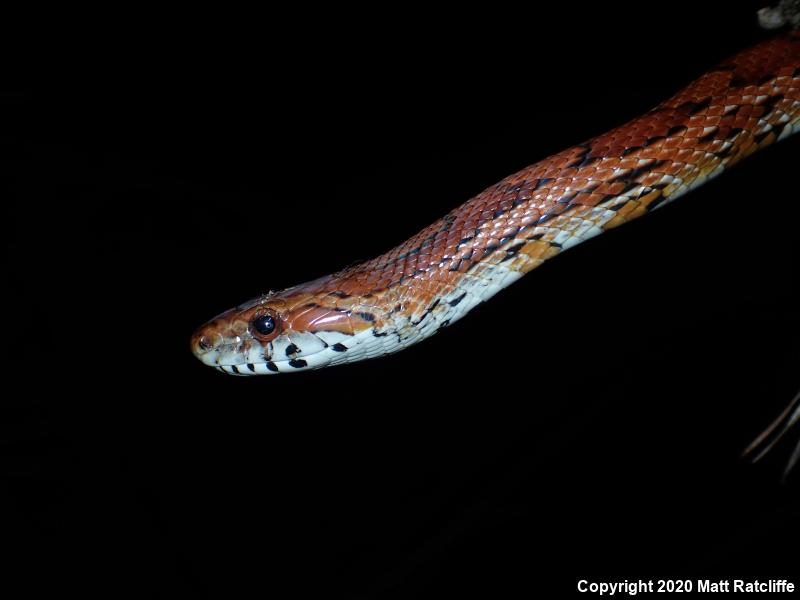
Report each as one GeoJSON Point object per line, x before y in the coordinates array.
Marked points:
{"type": "Point", "coordinates": [307, 335]}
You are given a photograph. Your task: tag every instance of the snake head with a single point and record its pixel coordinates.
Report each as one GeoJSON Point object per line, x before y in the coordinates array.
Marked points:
{"type": "Point", "coordinates": [301, 328]}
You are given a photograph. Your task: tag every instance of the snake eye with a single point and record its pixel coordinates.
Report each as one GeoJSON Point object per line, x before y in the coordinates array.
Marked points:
{"type": "Point", "coordinates": [264, 324]}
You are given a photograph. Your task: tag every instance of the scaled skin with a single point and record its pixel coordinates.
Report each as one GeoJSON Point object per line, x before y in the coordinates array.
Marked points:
{"type": "Point", "coordinates": [433, 279]}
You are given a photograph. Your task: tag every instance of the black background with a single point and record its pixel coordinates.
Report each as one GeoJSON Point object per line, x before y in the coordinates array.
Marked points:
{"type": "Point", "coordinates": [585, 424]}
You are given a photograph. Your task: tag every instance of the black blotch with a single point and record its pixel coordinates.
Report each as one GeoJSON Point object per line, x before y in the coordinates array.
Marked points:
{"type": "Point", "coordinates": [766, 79]}
{"type": "Point", "coordinates": [464, 240]}
{"type": "Point", "coordinates": [421, 319]}
{"type": "Point", "coordinates": [512, 252]}
{"type": "Point", "coordinates": [636, 173]}
{"type": "Point", "coordinates": [676, 130]}
{"type": "Point", "coordinates": [498, 213]}
{"type": "Point", "coordinates": [252, 367]}
{"type": "Point", "coordinates": [410, 252]}
{"type": "Point", "coordinates": [456, 301]}
{"type": "Point", "coordinates": [695, 107]}
{"type": "Point", "coordinates": [733, 132]}
{"type": "Point", "coordinates": [759, 137]}
{"type": "Point", "coordinates": [653, 140]}
{"type": "Point", "coordinates": [709, 136]}
{"type": "Point", "coordinates": [292, 349]}
{"type": "Point", "coordinates": [542, 182]}
{"type": "Point", "coordinates": [339, 294]}
{"type": "Point", "coordinates": [702, 105]}
{"type": "Point", "coordinates": [339, 347]}
{"type": "Point", "coordinates": [769, 103]}
{"type": "Point", "coordinates": [657, 202]}
{"type": "Point", "coordinates": [234, 369]}
{"type": "Point", "coordinates": [298, 363]}
{"type": "Point", "coordinates": [434, 305]}
{"type": "Point", "coordinates": [630, 150]}
{"type": "Point", "coordinates": [518, 200]}
{"type": "Point", "coordinates": [379, 334]}
{"type": "Point", "coordinates": [489, 249]}
{"type": "Point", "coordinates": [271, 366]}
{"type": "Point", "coordinates": [614, 208]}
{"type": "Point", "coordinates": [536, 236]}
{"type": "Point", "coordinates": [738, 81]}
{"type": "Point", "coordinates": [545, 218]}
{"type": "Point", "coordinates": [444, 324]}
{"type": "Point", "coordinates": [580, 159]}
{"type": "Point", "coordinates": [566, 199]}
{"type": "Point", "coordinates": [628, 187]}
{"type": "Point", "coordinates": [369, 316]}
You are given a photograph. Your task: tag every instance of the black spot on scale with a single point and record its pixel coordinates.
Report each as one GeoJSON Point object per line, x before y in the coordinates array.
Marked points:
{"type": "Point", "coordinates": [695, 107]}
{"type": "Point", "coordinates": [272, 366]}
{"type": "Point", "coordinates": [379, 334]}
{"type": "Point", "coordinates": [765, 79]}
{"type": "Point", "coordinates": [769, 104]}
{"type": "Point", "coordinates": [709, 136]}
{"type": "Point", "coordinates": [739, 81]}
{"type": "Point", "coordinates": [464, 240]}
{"type": "Point", "coordinates": [584, 150]}
{"type": "Point", "coordinates": [653, 140]}
{"type": "Point", "coordinates": [339, 347]}
{"type": "Point", "coordinates": [542, 182]}
{"type": "Point", "coordinates": [759, 137]}
{"type": "Point", "coordinates": [567, 198]}
{"type": "Point", "coordinates": [234, 369]}
{"type": "Point", "coordinates": [457, 301]}
{"type": "Point", "coordinates": [292, 349]}
{"type": "Point", "coordinates": [734, 131]}
{"type": "Point", "coordinates": [584, 161]}
{"type": "Point", "coordinates": [298, 363]}
{"type": "Point", "coordinates": [367, 316]}
{"type": "Point", "coordinates": [252, 367]}
{"type": "Point", "coordinates": [339, 294]}
{"type": "Point", "coordinates": [657, 202]}
{"type": "Point", "coordinates": [545, 218]}
{"type": "Point", "coordinates": [444, 324]}
{"type": "Point", "coordinates": [512, 252]}
{"type": "Point", "coordinates": [701, 106]}
{"type": "Point", "coordinates": [421, 319]}
{"type": "Point", "coordinates": [489, 249]}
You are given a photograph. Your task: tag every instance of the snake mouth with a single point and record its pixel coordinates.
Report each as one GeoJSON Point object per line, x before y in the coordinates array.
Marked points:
{"type": "Point", "coordinates": [265, 368]}
{"type": "Point", "coordinates": [302, 351]}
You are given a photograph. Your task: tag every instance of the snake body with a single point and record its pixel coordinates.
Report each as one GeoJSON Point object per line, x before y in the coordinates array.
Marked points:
{"type": "Point", "coordinates": [430, 281]}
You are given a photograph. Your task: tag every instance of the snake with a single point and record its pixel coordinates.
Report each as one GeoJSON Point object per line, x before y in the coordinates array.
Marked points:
{"type": "Point", "coordinates": [429, 282]}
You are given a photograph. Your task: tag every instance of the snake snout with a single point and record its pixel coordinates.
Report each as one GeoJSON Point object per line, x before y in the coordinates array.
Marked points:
{"type": "Point", "coordinates": [205, 343]}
